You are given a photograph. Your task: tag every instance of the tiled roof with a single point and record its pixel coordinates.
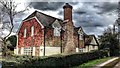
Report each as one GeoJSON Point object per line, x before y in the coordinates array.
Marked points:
{"type": "Point", "coordinates": [46, 20]}
{"type": "Point", "coordinates": [76, 30]}
{"type": "Point", "coordinates": [89, 38]}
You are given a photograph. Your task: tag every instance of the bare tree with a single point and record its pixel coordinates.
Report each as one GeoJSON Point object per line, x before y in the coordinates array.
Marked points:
{"type": "Point", "coordinates": [8, 10]}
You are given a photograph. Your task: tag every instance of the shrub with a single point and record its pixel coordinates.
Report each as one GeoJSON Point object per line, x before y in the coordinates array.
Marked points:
{"type": "Point", "coordinates": [59, 61]}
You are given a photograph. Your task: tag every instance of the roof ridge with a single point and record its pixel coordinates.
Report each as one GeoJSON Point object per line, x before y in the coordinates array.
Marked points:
{"type": "Point", "coordinates": [47, 15]}
{"type": "Point", "coordinates": [41, 13]}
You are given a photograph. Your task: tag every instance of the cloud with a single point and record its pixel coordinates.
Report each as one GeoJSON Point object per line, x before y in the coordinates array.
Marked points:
{"type": "Point", "coordinates": [69, 0]}
{"type": "Point", "coordinates": [106, 7]}
{"type": "Point", "coordinates": [94, 17]}
{"type": "Point", "coordinates": [47, 5]}
{"type": "Point", "coordinates": [87, 15]}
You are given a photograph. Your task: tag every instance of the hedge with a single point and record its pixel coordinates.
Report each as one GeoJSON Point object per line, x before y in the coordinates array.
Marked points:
{"type": "Point", "coordinates": [63, 61]}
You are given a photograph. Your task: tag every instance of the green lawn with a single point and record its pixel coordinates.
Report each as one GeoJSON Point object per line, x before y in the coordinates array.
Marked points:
{"type": "Point", "coordinates": [93, 63]}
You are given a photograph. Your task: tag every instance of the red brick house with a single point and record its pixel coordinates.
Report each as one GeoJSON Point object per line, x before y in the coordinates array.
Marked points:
{"type": "Point", "coordinates": [40, 34]}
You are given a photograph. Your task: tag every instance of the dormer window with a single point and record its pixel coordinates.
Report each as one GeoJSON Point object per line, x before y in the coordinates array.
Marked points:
{"type": "Point", "coordinates": [81, 36]}
{"type": "Point", "coordinates": [25, 33]}
{"type": "Point", "coordinates": [57, 28]}
{"type": "Point", "coordinates": [32, 31]}
{"type": "Point", "coordinates": [80, 32]}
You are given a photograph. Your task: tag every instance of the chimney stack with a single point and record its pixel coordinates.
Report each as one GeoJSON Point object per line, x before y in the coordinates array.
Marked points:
{"type": "Point", "coordinates": [69, 45]}
{"type": "Point", "coordinates": [67, 12]}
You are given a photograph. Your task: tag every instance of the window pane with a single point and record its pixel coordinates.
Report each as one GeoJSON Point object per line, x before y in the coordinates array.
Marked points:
{"type": "Point", "coordinates": [28, 51]}
{"type": "Point", "coordinates": [32, 30]}
{"type": "Point", "coordinates": [56, 32]}
{"type": "Point", "coordinates": [25, 32]}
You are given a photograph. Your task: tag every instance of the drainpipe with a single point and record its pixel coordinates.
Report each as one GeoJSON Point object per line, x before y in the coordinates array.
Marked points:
{"type": "Point", "coordinates": [61, 39]}
{"type": "Point", "coordinates": [78, 42]}
{"type": "Point", "coordinates": [44, 40]}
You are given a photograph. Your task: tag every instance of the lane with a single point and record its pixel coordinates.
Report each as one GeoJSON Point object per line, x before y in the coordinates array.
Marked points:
{"type": "Point", "coordinates": [117, 65]}
{"type": "Point", "coordinates": [0, 64]}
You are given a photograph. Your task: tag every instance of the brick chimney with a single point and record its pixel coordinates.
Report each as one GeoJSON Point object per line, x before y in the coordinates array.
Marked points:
{"type": "Point", "coordinates": [67, 12]}
{"type": "Point", "coordinates": [69, 45]}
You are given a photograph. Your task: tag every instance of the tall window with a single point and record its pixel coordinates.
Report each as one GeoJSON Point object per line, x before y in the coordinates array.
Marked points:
{"type": "Point", "coordinates": [25, 32]}
{"type": "Point", "coordinates": [32, 30]}
{"type": "Point", "coordinates": [56, 31]}
{"type": "Point", "coordinates": [81, 36]}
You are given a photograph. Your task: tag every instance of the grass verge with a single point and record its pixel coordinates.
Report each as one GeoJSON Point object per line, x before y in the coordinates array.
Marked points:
{"type": "Point", "coordinates": [93, 63]}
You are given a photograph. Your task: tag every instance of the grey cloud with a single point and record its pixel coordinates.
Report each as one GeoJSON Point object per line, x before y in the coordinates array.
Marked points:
{"type": "Point", "coordinates": [88, 16]}
{"type": "Point", "coordinates": [73, 3]}
{"type": "Point", "coordinates": [80, 12]}
{"type": "Point", "coordinates": [60, 12]}
{"type": "Point", "coordinates": [18, 20]}
{"type": "Point", "coordinates": [106, 7]}
{"type": "Point", "coordinates": [47, 5]}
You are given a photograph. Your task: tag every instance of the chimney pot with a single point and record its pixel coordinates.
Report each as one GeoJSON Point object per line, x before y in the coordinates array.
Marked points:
{"type": "Point", "coordinates": [67, 12]}
{"type": "Point", "coordinates": [67, 6]}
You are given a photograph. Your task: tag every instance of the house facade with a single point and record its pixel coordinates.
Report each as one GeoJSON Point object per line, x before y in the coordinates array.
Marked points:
{"type": "Point", "coordinates": [43, 35]}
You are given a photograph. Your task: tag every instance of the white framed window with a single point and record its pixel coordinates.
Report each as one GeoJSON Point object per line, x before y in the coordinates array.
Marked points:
{"type": "Point", "coordinates": [80, 32]}
{"type": "Point", "coordinates": [56, 31]}
{"type": "Point", "coordinates": [32, 31]}
{"type": "Point", "coordinates": [25, 32]}
{"type": "Point", "coordinates": [81, 49]}
{"type": "Point", "coordinates": [81, 36]}
{"type": "Point", "coordinates": [28, 50]}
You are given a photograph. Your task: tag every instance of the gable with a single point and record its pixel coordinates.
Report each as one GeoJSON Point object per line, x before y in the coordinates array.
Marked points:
{"type": "Point", "coordinates": [80, 31]}
{"type": "Point", "coordinates": [28, 21]}
{"type": "Point", "coordinates": [56, 24]}
{"type": "Point", "coordinates": [93, 41]}
{"type": "Point", "coordinates": [46, 20]}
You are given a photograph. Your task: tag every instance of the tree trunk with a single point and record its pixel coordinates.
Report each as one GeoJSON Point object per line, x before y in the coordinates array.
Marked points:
{"type": "Point", "coordinates": [4, 48]}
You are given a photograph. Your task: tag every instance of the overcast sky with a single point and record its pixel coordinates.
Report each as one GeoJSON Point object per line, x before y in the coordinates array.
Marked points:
{"type": "Point", "coordinates": [94, 17]}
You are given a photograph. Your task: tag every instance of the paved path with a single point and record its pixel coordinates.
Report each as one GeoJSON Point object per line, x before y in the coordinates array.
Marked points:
{"type": "Point", "coordinates": [107, 62]}
{"type": "Point", "coordinates": [0, 64]}
{"type": "Point", "coordinates": [111, 60]}
{"type": "Point", "coordinates": [117, 65]}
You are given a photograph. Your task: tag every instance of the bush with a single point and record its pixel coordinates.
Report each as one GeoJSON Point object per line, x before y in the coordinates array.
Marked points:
{"type": "Point", "coordinates": [60, 60]}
